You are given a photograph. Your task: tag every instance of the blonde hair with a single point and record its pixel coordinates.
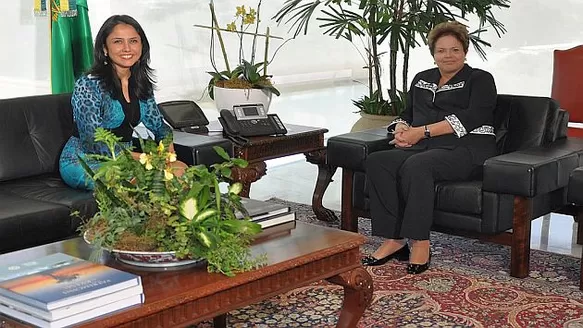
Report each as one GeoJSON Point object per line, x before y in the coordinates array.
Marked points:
{"type": "Point", "coordinates": [453, 28]}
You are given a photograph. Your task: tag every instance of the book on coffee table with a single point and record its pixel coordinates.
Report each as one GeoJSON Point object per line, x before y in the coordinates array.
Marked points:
{"type": "Point", "coordinates": [60, 280]}
{"type": "Point", "coordinates": [73, 309]}
{"type": "Point", "coordinates": [267, 214]}
{"type": "Point", "coordinates": [258, 209]}
{"type": "Point", "coordinates": [76, 318]}
{"type": "Point", "coordinates": [277, 230]}
{"type": "Point", "coordinates": [270, 221]}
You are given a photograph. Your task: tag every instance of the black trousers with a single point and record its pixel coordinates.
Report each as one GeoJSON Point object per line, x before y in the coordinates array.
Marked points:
{"type": "Point", "coordinates": [401, 187]}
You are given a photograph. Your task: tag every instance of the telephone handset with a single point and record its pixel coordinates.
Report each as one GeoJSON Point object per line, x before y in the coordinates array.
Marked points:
{"type": "Point", "coordinates": [250, 121]}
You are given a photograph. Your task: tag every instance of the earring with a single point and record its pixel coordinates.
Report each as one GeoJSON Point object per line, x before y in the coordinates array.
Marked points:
{"type": "Point", "coordinates": [105, 61]}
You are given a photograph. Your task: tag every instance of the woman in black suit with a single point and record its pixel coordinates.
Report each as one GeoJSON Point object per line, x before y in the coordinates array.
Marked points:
{"type": "Point", "coordinates": [445, 134]}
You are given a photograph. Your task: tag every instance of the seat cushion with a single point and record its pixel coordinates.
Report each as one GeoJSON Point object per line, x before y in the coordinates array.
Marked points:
{"type": "Point", "coordinates": [50, 188]}
{"type": "Point", "coordinates": [25, 222]}
{"type": "Point", "coordinates": [575, 193]}
{"type": "Point", "coordinates": [459, 197]}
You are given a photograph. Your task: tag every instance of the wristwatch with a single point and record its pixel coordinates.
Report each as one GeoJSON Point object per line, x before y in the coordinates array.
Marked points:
{"type": "Point", "coordinates": [427, 133]}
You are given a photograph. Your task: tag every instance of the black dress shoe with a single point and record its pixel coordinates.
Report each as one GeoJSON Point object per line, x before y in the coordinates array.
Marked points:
{"type": "Point", "coordinates": [413, 268]}
{"type": "Point", "coordinates": [402, 255]}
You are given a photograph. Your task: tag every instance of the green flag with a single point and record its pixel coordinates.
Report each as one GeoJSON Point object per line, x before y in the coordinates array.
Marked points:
{"type": "Point", "coordinates": [71, 44]}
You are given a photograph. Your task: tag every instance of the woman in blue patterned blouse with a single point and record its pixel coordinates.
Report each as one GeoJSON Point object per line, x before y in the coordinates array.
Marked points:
{"type": "Point", "coordinates": [116, 94]}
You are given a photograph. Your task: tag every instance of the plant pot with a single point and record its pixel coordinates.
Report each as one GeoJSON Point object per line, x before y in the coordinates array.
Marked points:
{"type": "Point", "coordinates": [227, 98]}
{"type": "Point", "coordinates": [148, 259]}
{"type": "Point", "coordinates": [369, 121]}
{"type": "Point", "coordinates": [152, 259]}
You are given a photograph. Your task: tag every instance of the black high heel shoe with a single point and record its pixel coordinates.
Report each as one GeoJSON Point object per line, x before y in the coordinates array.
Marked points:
{"type": "Point", "coordinates": [402, 255]}
{"type": "Point", "coordinates": [413, 268]}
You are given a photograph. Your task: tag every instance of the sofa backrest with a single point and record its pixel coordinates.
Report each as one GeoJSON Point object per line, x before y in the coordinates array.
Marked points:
{"type": "Point", "coordinates": [524, 121]}
{"type": "Point", "coordinates": [33, 131]}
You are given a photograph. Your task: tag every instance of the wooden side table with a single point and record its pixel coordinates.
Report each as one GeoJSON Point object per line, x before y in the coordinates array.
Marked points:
{"type": "Point", "coordinates": [299, 140]}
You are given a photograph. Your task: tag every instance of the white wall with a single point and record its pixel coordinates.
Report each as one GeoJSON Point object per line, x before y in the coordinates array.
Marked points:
{"type": "Point", "coordinates": [521, 61]}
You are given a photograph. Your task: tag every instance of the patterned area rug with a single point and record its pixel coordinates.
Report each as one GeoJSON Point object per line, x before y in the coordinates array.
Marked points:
{"type": "Point", "coordinates": [468, 285]}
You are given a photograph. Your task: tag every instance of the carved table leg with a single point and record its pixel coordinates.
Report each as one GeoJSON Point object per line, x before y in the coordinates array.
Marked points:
{"type": "Point", "coordinates": [248, 175]}
{"type": "Point", "coordinates": [358, 291]}
{"type": "Point", "coordinates": [220, 321]}
{"type": "Point", "coordinates": [325, 174]}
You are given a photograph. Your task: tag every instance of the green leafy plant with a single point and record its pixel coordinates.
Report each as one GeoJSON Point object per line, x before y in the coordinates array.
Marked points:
{"type": "Point", "coordinates": [247, 74]}
{"type": "Point", "coordinates": [403, 24]}
{"type": "Point", "coordinates": [145, 206]}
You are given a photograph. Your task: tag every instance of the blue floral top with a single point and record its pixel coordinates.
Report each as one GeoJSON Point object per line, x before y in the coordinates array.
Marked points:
{"type": "Point", "coordinates": [94, 107]}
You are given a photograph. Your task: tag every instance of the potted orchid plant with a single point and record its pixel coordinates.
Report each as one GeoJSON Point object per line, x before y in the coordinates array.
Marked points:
{"type": "Point", "coordinates": [248, 79]}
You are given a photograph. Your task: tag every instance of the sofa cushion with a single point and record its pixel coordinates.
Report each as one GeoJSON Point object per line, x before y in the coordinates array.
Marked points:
{"type": "Point", "coordinates": [459, 197]}
{"type": "Point", "coordinates": [26, 223]}
{"type": "Point", "coordinates": [51, 189]}
{"type": "Point", "coordinates": [531, 122]}
{"type": "Point", "coordinates": [33, 131]}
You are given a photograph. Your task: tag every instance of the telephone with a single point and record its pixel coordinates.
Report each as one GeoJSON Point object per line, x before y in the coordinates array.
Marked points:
{"type": "Point", "coordinates": [184, 115]}
{"type": "Point", "coordinates": [250, 121]}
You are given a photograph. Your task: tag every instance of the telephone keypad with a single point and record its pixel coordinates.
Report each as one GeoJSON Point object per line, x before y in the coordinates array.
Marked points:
{"type": "Point", "coordinates": [259, 127]}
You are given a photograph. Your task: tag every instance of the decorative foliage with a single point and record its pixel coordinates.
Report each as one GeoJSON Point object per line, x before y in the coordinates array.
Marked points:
{"type": "Point", "coordinates": [402, 23]}
{"type": "Point", "coordinates": [145, 206]}
{"type": "Point", "coordinates": [247, 74]}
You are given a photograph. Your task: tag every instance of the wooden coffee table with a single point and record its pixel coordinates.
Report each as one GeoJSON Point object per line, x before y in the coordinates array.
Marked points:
{"type": "Point", "coordinates": [180, 298]}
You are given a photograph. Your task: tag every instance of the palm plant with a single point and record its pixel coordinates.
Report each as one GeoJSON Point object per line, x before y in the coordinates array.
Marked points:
{"type": "Point", "coordinates": [404, 24]}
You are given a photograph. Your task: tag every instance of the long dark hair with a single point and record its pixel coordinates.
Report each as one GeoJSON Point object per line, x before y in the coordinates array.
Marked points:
{"type": "Point", "coordinates": [141, 73]}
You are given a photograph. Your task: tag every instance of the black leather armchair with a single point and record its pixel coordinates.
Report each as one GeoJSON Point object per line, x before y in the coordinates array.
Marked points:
{"type": "Point", "coordinates": [526, 180]}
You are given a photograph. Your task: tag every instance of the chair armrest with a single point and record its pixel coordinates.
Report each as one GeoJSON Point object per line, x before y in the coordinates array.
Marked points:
{"type": "Point", "coordinates": [350, 150]}
{"type": "Point", "coordinates": [575, 190]}
{"type": "Point", "coordinates": [533, 171]}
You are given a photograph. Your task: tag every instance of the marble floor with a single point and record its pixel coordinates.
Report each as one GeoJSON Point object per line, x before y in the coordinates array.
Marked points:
{"type": "Point", "coordinates": [329, 105]}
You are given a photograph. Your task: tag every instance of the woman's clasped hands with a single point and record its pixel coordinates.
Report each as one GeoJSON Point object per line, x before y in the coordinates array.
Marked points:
{"type": "Point", "coordinates": [405, 136]}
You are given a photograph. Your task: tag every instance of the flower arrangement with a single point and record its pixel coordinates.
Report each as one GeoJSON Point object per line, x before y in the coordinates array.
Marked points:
{"type": "Point", "coordinates": [247, 74]}
{"type": "Point", "coordinates": [145, 206]}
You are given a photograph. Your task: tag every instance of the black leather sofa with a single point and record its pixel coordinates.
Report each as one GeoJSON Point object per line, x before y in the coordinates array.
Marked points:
{"type": "Point", "coordinates": [35, 205]}
{"type": "Point", "coordinates": [526, 180]}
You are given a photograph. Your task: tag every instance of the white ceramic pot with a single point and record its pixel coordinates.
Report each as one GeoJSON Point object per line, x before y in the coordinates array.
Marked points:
{"type": "Point", "coordinates": [227, 98]}
{"type": "Point", "coordinates": [369, 121]}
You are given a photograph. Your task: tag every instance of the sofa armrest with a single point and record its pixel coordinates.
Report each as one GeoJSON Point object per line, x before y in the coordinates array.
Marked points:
{"type": "Point", "coordinates": [533, 171]}
{"type": "Point", "coordinates": [350, 150]}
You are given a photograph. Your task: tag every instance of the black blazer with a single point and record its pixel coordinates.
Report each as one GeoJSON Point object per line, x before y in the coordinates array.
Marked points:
{"type": "Point", "coordinates": [466, 101]}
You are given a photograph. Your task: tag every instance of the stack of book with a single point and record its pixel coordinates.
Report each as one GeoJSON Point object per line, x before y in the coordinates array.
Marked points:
{"type": "Point", "coordinates": [269, 215]}
{"type": "Point", "coordinates": [59, 290]}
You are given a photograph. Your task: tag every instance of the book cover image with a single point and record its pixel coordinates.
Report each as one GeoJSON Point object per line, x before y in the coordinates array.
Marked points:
{"type": "Point", "coordinates": [57, 278]}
